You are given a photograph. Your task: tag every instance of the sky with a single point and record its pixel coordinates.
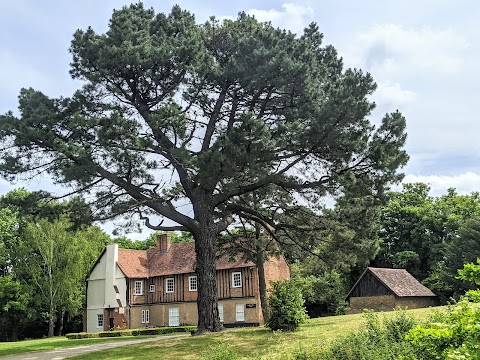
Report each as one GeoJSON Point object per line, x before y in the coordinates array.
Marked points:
{"type": "Point", "coordinates": [423, 54]}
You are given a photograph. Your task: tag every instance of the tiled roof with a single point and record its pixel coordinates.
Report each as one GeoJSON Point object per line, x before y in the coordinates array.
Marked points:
{"type": "Point", "coordinates": [179, 259]}
{"type": "Point", "coordinates": [133, 262]}
{"type": "Point", "coordinates": [400, 282]}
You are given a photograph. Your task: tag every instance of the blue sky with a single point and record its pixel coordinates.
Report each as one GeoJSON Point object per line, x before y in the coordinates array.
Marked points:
{"type": "Point", "coordinates": [423, 54]}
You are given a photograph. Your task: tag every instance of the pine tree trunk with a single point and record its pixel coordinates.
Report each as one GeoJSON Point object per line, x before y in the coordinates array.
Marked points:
{"type": "Point", "coordinates": [207, 301]}
{"type": "Point", "coordinates": [262, 284]}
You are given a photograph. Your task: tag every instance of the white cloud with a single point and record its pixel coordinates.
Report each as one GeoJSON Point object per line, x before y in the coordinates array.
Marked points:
{"type": "Point", "coordinates": [392, 94]}
{"type": "Point", "coordinates": [465, 183]}
{"type": "Point", "coordinates": [391, 48]}
{"type": "Point", "coordinates": [293, 17]}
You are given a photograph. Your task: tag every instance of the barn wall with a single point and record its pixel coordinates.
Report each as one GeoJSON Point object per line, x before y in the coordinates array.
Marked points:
{"type": "Point", "coordinates": [370, 286]}
{"type": "Point", "coordinates": [377, 303]}
{"type": "Point", "coordinates": [416, 302]}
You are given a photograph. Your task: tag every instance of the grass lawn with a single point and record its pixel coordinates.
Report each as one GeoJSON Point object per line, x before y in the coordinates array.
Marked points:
{"type": "Point", "coordinates": [250, 343]}
{"type": "Point", "coordinates": [18, 347]}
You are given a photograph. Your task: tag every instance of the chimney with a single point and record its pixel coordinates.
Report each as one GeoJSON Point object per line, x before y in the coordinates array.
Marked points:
{"type": "Point", "coordinates": [111, 259]}
{"type": "Point", "coordinates": [163, 242]}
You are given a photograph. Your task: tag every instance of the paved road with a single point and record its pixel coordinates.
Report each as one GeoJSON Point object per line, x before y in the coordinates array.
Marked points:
{"type": "Point", "coordinates": [82, 349]}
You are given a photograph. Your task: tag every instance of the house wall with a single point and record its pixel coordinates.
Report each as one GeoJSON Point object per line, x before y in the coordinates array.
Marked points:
{"type": "Point", "coordinates": [276, 269]}
{"type": "Point", "coordinates": [101, 294]}
{"type": "Point", "coordinates": [181, 290]}
{"type": "Point", "coordinates": [159, 313]}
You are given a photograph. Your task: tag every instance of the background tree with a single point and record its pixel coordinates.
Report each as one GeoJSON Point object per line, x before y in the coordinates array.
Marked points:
{"type": "Point", "coordinates": [179, 121]}
{"type": "Point", "coordinates": [432, 237]}
{"type": "Point", "coordinates": [8, 239]}
{"type": "Point", "coordinates": [151, 240]}
{"type": "Point", "coordinates": [24, 268]}
{"type": "Point", "coordinates": [16, 307]}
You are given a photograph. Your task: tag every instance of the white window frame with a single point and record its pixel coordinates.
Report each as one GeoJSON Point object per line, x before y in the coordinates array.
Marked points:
{"type": "Point", "coordinates": [100, 320]}
{"type": "Point", "coordinates": [173, 316]}
{"type": "Point", "coordinates": [192, 283]}
{"type": "Point", "coordinates": [152, 288]}
{"type": "Point", "coordinates": [239, 312]}
{"type": "Point", "coordinates": [169, 289]}
{"type": "Point", "coordinates": [236, 280]}
{"type": "Point", "coordinates": [139, 288]}
{"type": "Point", "coordinates": [145, 316]}
{"type": "Point", "coordinates": [220, 312]}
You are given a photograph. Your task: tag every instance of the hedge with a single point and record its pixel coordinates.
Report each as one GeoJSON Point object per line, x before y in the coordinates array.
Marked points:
{"type": "Point", "coordinates": [132, 332]}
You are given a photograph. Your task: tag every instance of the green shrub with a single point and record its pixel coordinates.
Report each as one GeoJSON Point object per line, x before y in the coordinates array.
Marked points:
{"type": "Point", "coordinates": [132, 332]}
{"type": "Point", "coordinates": [376, 340]}
{"type": "Point", "coordinates": [452, 334]}
{"type": "Point", "coordinates": [286, 306]}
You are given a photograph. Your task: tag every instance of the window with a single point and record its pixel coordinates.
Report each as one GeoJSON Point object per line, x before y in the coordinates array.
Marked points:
{"type": "Point", "coordinates": [220, 312]}
{"type": "Point", "coordinates": [169, 285]}
{"type": "Point", "coordinates": [152, 288]}
{"type": "Point", "coordinates": [145, 316]}
{"type": "Point", "coordinates": [100, 320]}
{"type": "Point", "coordinates": [237, 279]}
{"type": "Point", "coordinates": [173, 316]}
{"type": "Point", "coordinates": [192, 283]}
{"type": "Point", "coordinates": [138, 287]}
{"type": "Point", "coordinates": [240, 312]}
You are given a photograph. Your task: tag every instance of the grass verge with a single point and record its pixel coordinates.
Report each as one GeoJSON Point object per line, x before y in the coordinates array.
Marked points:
{"type": "Point", "coordinates": [25, 346]}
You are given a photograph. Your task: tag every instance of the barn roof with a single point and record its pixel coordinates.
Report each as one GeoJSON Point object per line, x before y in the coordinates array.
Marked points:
{"type": "Point", "coordinates": [178, 259]}
{"type": "Point", "coordinates": [399, 281]}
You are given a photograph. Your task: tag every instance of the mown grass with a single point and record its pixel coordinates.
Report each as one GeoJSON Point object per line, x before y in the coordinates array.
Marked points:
{"type": "Point", "coordinates": [19, 347]}
{"type": "Point", "coordinates": [247, 343]}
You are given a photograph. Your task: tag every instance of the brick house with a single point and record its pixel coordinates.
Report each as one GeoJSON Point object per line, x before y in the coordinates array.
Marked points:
{"type": "Point", "coordinates": [158, 287]}
{"type": "Point", "coordinates": [382, 289]}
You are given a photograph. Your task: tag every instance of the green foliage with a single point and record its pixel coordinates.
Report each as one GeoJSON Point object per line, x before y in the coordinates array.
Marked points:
{"type": "Point", "coordinates": [15, 307]}
{"type": "Point", "coordinates": [286, 306]}
{"type": "Point", "coordinates": [151, 240]}
{"type": "Point", "coordinates": [8, 237]}
{"type": "Point", "coordinates": [377, 340]}
{"type": "Point", "coordinates": [451, 334]}
{"type": "Point", "coordinates": [326, 291]}
{"type": "Point", "coordinates": [431, 236]}
{"type": "Point", "coordinates": [470, 272]}
{"type": "Point", "coordinates": [132, 332]}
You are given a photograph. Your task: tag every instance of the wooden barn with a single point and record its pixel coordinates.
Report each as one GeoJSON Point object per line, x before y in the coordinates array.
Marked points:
{"type": "Point", "coordinates": [382, 289]}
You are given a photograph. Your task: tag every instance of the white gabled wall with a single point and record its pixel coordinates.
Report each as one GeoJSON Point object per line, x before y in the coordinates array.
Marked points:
{"type": "Point", "coordinates": [100, 288]}
{"type": "Point", "coordinates": [110, 299]}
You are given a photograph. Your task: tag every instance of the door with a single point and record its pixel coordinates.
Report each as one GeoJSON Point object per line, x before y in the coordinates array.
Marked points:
{"type": "Point", "coordinates": [173, 316]}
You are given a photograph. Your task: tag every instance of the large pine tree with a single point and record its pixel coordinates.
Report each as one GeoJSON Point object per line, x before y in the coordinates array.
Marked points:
{"type": "Point", "coordinates": [180, 121]}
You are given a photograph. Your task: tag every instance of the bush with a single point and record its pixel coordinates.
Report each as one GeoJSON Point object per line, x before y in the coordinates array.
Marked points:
{"type": "Point", "coordinates": [452, 334]}
{"type": "Point", "coordinates": [286, 306]}
{"type": "Point", "coordinates": [377, 340]}
{"type": "Point", "coordinates": [132, 332]}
